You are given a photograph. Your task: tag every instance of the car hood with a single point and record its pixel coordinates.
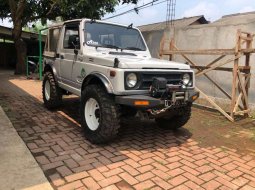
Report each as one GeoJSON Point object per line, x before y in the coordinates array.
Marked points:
{"type": "Point", "coordinates": [134, 62]}
{"type": "Point", "coordinates": [150, 63]}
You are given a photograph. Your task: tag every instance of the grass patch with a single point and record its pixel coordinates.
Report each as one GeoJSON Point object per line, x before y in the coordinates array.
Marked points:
{"type": "Point", "coordinates": [169, 178]}
{"type": "Point", "coordinates": [253, 115]}
{"type": "Point", "coordinates": [253, 132]}
{"type": "Point", "coordinates": [223, 149]}
{"type": "Point", "coordinates": [160, 162]}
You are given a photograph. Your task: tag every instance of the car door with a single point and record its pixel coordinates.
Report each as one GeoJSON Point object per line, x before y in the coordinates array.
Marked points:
{"type": "Point", "coordinates": [79, 70]}
{"type": "Point", "coordinates": [67, 54]}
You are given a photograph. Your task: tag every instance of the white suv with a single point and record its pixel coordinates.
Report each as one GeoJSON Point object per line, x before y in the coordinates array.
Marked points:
{"type": "Point", "coordinates": [110, 67]}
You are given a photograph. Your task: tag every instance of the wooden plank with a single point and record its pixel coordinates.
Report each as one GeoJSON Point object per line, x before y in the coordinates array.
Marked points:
{"type": "Point", "coordinates": [245, 69]}
{"type": "Point", "coordinates": [238, 42]}
{"type": "Point", "coordinates": [242, 69]}
{"type": "Point", "coordinates": [247, 51]}
{"type": "Point", "coordinates": [246, 38]}
{"type": "Point", "coordinates": [171, 57]}
{"type": "Point", "coordinates": [243, 89]}
{"type": "Point", "coordinates": [246, 75]}
{"type": "Point", "coordinates": [243, 112]}
{"type": "Point", "coordinates": [235, 69]}
{"type": "Point", "coordinates": [218, 65]}
{"type": "Point", "coordinates": [237, 102]}
{"type": "Point", "coordinates": [201, 68]}
{"type": "Point", "coordinates": [216, 60]}
{"type": "Point", "coordinates": [200, 52]}
{"type": "Point", "coordinates": [162, 42]}
{"type": "Point", "coordinates": [207, 52]}
{"type": "Point", "coordinates": [247, 86]}
{"type": "Point", "coordinates": [247, 64]}
{"type": "Point", "coordinates": [215, 105]}
{"type": "Point", "coordinates": [244, 32]}
{"type": "Point", "coordinates": [213, 62]}
{"type": "Point", "coordinates": [245, 83]}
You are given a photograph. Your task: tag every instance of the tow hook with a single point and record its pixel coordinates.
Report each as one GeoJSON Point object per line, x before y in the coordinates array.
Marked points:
{"type": "Point", "coordinates": [155, 112]}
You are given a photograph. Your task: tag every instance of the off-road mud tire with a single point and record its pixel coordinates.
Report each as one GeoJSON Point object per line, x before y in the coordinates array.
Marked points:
{"type": "Point", "coordinates": [55, 92]}
{"type": "Point", "coordinates": [109, 123]}
{"type": "Point", "coordinates": [177, 121]}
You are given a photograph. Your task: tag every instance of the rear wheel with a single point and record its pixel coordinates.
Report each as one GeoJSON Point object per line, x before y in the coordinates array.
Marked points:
{"type": "Point", "coordinates": [100, 116]}
{"type": "Point", "coordinates": [52, 96]}
{"type": "Point", "coordinates": [177, 121]}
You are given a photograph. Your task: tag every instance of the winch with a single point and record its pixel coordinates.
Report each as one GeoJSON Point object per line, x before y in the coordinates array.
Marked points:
{"type": "Point", "coordinates": [158, 87]}
{"type": "Point", "coordinates": [169, 92]}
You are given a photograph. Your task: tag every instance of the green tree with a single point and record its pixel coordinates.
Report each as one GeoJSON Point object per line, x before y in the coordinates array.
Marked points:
{"type": "Point", "coordinates": [22, 12]}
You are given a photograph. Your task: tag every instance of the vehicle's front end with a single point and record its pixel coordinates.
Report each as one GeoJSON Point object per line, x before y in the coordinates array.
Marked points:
{"type": "Point", "coordinates": [158, 92]}
{"type": "Point", "coordinates": [162, 86]}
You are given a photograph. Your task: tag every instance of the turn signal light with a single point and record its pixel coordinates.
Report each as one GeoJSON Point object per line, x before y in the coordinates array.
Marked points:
{"type": "Point", "coordinates": [141, 103]}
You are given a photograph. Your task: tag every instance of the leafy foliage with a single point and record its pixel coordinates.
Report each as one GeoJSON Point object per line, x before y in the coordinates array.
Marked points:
{"type": "Point", "coordinates": [67, 9]}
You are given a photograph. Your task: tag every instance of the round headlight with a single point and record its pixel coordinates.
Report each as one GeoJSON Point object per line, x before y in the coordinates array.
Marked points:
{"type": "Point", "coordinates": [186, 79]}
{"type": "Point", "coordinates": [131, 80]}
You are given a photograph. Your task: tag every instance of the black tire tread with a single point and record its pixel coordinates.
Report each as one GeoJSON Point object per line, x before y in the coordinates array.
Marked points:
{"type": "Point", "coordinates": [110, 124]}
{"type": "Point", "coordinates": [175, 122]}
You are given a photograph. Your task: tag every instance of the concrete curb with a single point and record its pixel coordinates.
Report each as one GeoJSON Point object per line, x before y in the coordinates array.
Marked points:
{"type": "Point", "coordinates": [18, 168]}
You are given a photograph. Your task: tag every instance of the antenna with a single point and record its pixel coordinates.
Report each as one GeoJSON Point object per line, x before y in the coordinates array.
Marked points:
{"type": "Point", "coordinates": [170, 14]}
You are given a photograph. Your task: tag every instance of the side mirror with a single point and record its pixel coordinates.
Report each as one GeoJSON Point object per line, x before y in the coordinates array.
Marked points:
{"type": "Point", "coordinates": [75, 49]}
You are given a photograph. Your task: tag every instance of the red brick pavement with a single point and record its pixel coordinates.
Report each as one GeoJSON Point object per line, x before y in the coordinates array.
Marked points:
{"type": "Point", "coordinates": [144, 157]}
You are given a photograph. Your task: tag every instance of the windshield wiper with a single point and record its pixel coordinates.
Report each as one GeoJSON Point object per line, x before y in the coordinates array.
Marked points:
{"type": "Point", "coordinates": [133, 48]}
{"type": "Point", "coordinates": [111, 46]}
{"type": "Point", "coordinates": [108, 46]}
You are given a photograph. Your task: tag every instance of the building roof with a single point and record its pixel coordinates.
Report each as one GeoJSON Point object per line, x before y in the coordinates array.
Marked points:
{"type": "Point", "coordinates": [178, 23]}
{"type": "Point", "coordinates": [6, 33]}
{"type": "Point", "coordinates": [247, 17]}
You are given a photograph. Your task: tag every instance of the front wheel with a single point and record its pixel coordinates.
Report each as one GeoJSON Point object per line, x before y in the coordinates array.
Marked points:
{"type": "Point", "coordinates": [176, 121]}
{"type": "Point", "coordinates": [100, 116]}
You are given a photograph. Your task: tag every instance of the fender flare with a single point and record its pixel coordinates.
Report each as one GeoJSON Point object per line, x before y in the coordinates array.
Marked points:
{"type": "Point", "coordinates": [105, 81]}
{"type": "Point", "coordinates": [52, 68]}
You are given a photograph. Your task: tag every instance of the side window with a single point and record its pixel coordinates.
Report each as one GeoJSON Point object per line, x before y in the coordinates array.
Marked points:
{"type": "Point", "coordinates": [71, 38]}
{"type": "Point", "coordinates": [53, 39]}
{"type": "Point", "coordinates": [51, 42]}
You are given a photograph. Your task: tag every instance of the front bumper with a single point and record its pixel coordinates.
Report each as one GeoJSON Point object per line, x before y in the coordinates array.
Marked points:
{"type": "Point", "coordinates": [148, 102]}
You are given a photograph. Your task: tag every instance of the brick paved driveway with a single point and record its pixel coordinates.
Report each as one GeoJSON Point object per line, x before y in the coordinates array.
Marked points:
{"type": "Point", "coordinates": [144, 157]}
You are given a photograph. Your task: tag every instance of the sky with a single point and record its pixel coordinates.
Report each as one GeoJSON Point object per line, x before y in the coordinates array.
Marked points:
{"type": "Point", "coordinates": [211, 9]}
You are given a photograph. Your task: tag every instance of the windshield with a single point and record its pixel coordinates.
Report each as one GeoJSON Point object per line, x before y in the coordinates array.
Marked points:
{"type": "Point", "coordinates": [113, 36]}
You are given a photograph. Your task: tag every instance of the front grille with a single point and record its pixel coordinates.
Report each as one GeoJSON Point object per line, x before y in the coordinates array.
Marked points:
{"type": "Point", "coordinates": [146, 79]}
